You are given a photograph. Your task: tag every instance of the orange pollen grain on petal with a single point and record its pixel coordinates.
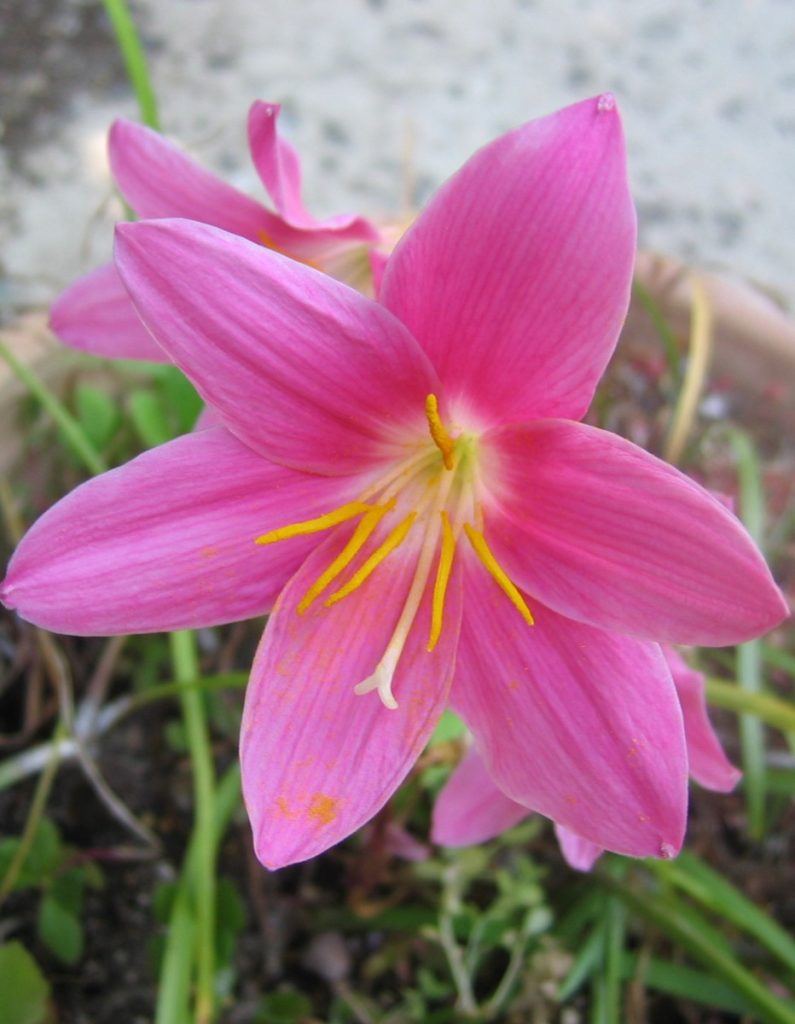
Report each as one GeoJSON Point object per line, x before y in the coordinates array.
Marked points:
{"type": "Point", "coordinates": [441, 438]}
{"type": "Point", "coordinates": [323, 808]}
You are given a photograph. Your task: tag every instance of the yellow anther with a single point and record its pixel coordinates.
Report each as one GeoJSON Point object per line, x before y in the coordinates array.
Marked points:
{"type": "Point", "coordinates": [348, 553]}
{"type": "Point", "coordinates": [441, 438]}
{"type": "Point", "coordinates": [484, 553]}
{"type": "Point", "coordinates": [395, 538]}
{"type": "Point", "coordinates": [442, 578]}
{"type": "Point", "coordinates": [339, 515]}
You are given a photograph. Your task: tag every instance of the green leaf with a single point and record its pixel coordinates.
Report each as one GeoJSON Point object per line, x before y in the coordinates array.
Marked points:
{"type": "Point", "coordinates": [231, 912]}
{"type": "Point", "coordinates": [24, 988]}
{"type": "Point", "coordinates": [283, 1008]}
{"type": "Point", "coordinates": [181, 398]}
{"type": "Point", "coordinates": [97, 413]}
{"type": "Point", "coordinates": [59, 928]}
{"type": "Point", "coordinates": [230, 919]}
{"type": "Point", "coordinates": [449, 727]}
{"type": "Point", "coordinates": [43, 859]}
{"type": "Point", "coordinates": [163, 901]}
{"type": "Point", "coordinates": [149, 417]}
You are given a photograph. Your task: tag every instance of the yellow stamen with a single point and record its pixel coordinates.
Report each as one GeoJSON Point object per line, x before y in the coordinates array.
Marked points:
{"type": "Point", "coordinates": [484, 553]}
{"type": "Point", "coordinates": [338, 515]}
{"type": "Point", "coordinates": [442, 577]}
{"type": "Point", "coordinates": [395, 538]}
{"type": "Point", "coordinates": [441, 438]}
{"type": "Point", "coordinates": [348, 553]}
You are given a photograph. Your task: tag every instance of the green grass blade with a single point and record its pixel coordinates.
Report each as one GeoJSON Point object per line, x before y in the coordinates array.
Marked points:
{"type": "Point", "coordinates": [67, 424]}
{"type": "Point", "coordinates": [686, 983]}
{"type": "Point", "coordinates": [711, 890]}
{"type": "Point", "coordinates": [771, 710]}
{"type": "Point", "coordinates": [589, 957]}
{"type": "Point", "coordinates": [695, 935]}
{"type": "Point", "coordinates": [660, 324]}
{"type": "Point", "coordinates": [134, 60]}
{"type": "Point", "coordinates": [614, 957]}
{"type": "Point", "coordinates": [779, 659]}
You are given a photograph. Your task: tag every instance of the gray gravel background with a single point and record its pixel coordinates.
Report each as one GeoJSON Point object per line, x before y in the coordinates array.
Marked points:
{"type": "Point", "coordinates": [386, 98]}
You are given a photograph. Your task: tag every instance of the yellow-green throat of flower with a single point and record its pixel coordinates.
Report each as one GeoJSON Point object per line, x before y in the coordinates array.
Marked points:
{"type": "Point", "coordinates": [436, 488]}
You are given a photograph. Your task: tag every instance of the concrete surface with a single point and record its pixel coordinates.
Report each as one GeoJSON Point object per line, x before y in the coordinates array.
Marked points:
{"type": "Point", "coordinates": [375, 89]}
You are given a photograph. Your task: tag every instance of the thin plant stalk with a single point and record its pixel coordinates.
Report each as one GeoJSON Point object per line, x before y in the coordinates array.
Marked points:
{"type": "Point", "coordinates": [762, 706]}
{"type": "Point", "coordinates": [186, 668]}
{"type": "Point", "coordinates": [173, 996]}
{"type": "Point", "coordinates": [695, 375]}
{"type": "Point", "coordinates": [134, 60]}
{"type": "Point", "coordinates": [749, 655]}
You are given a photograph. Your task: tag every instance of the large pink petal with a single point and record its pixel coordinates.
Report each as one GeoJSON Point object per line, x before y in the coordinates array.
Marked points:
{"type": "Point", "coordinates": [159, 180]}
{"type": "Point", "coordinates": [605, 533]}
{"type": "Point", "coordinates": [318, 760]}
{"type": "Point", "coordinates": [470, 808]}
{"type": "Point", "coordinates": [709, 765]}
{"type": "Point", "coordinates": [581, 854]}
{"type": "Point", "coordinates": [581, 725]}
{"type": "Point", "coordinates": [95, 314]}
{"type": "Point", "coordinates": [277, 163]}
{"type": "Point", "coordinates": [300, 367]}
{"type": "Point", "coordinates": [167, 541]}
{"type": "Point", "coordinates": [516, 277]}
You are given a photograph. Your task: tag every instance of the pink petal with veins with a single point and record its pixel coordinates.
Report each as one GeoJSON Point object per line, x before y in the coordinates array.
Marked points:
{"type": "Point", "coordinates": [167, 541]}
{"type": "Point", "coordinates": [581, 725]}
{"type": "Point", "coordinates": [95, 314]}
{"type": "Point", "coordinates": [709, 765]}
{"type": "Point", "coordinates": [299, 367]}
{"type": "Point", "coordinates": [318, 760]}
{"type": "Point", "coordinates": [470, 808]}
{"type": "Point", "coordinates": [605, 533]}
{"type": "Point", "coordinates": [516, 276]}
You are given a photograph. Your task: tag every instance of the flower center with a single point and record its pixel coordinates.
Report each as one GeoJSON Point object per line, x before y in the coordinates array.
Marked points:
{"type": "Point", "coordinates": [435, 489]}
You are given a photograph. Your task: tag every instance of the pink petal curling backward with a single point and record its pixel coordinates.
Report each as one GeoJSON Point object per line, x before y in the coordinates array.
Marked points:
{"type": "Point", "coordinates": [472, 809]}
{"type": "Point", "coordinates": [356, 449]}
{"type": "Point", "coordinates": [158, 179]}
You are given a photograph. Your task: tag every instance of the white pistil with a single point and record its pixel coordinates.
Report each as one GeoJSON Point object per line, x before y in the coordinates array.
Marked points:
{"type": "Point", "coordinates": [381, 679]}
{"type": "Point", "coordinates": [391, 483]}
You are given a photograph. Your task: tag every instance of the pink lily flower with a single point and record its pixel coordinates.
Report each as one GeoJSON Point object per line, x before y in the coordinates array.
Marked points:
{"type": "Point", "coordinates": [471, 808]}
{"type": "Point", "coordinates": [432, 522]}
{"type": "Point", "coordinates": [157, 179]}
